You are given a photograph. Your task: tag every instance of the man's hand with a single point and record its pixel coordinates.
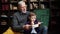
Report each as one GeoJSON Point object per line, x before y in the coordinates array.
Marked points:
{"type": "Point", "coordinates": [27, 26]}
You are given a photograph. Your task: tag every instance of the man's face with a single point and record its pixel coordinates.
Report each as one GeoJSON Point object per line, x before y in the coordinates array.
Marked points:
{"type": "Point", "coordinates": [22, 8]}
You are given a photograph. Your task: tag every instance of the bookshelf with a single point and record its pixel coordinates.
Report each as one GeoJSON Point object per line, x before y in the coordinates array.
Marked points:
{"type": "Point", "coordinates": [39, 4]}
{"type": "Point", "coordinates": [8, 7]}
{"type": "Point", "coordinates": [4, 14]}
{"type": "Point", "coordinates": [55, 14]}
{"type": "Point", "coordinates": [31, 4]}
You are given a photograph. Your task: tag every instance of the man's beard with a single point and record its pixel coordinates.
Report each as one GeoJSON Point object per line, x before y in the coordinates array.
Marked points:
{"type": "Point", "coordinates": [23, 11]}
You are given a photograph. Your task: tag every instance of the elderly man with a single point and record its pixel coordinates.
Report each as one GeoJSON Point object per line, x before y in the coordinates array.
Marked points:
{"type": "Point", "coordinates": [20, 17]}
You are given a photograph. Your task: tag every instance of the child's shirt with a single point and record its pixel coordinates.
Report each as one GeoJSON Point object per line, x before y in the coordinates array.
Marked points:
{"type": "Point", "coordinates": [37, 29]}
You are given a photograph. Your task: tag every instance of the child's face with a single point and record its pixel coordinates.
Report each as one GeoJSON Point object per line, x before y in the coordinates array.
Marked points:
{"type": "Point", "coordinates": [33, 18]}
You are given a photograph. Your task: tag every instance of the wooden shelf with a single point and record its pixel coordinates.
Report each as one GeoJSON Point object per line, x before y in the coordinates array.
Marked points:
{"type": "Point", "coordinates": [13, 7]}
{"type": "Point", "coordinates": [44, 0]}
{"type": "Point", "coordinates": [4, 1]}
{"type": "Point", "coordinates": [3, 23]}
{"type": "Point", "coordinates": [33, 1]}
{"type": "Point", "coordinates": [53, 7]}
{"type": "Point", "coordinates": [40, 1]}
{"type": "Point", "coordinates": [4, 16]}
{"type": "Point", "coordinates": [14, 2]}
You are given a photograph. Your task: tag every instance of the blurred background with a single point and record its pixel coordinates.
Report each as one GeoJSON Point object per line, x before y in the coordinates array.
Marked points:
{"type": "Point", "coordinates": [49, 8]}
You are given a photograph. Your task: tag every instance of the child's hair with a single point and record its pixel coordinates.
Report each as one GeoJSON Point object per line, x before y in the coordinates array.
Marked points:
{"type": "Point", "coordinates": [32, 14]}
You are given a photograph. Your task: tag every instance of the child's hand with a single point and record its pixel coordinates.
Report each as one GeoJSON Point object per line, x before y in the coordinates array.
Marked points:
{"type": "Point", "coordinates": [36, 25]}
{"type": "Point", "coordinates": [39, 23]}
{"type": "Point", "coordinates": [32, 23]}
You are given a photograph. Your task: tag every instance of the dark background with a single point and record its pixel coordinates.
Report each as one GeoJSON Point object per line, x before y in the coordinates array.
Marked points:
{"type": "Point", "coordinates": [54, 21]}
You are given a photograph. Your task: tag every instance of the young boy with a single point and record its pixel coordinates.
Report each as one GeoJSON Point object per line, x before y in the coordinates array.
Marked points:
{"type": "Point", "coordinates": [32, 22]}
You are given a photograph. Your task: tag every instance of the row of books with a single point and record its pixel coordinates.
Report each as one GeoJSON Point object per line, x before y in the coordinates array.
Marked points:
{"type": "Point", "coordinates": [12, 7]}
{"type": "Point", "coordinates": [3, 22]}
{"type": "Point", "coordinates": [4, 1]}
{"type": "Point", "coordinates": [7, 1]}
{"type": "Point", "coordinates": [30, 0]}
{"type": "Point", "coordinates": [5, 7]}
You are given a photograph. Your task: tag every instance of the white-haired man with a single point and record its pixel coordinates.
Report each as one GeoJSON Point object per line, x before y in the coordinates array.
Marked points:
{"type": "Point", "coordinates": [20, 17]}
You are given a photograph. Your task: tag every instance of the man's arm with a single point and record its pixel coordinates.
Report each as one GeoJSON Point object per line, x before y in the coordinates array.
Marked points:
{"type": "Point", "coordinates": [15, 24]}
{"type": "Point", "coordinates": [27, 26]}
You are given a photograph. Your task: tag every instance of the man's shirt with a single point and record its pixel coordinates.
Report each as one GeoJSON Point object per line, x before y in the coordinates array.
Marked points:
{"type": "Point", "coordinates": [19, 19]}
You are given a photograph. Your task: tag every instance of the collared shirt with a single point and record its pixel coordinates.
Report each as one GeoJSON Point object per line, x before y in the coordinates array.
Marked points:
{"type": "Point", "coordinates": [19, 19]}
